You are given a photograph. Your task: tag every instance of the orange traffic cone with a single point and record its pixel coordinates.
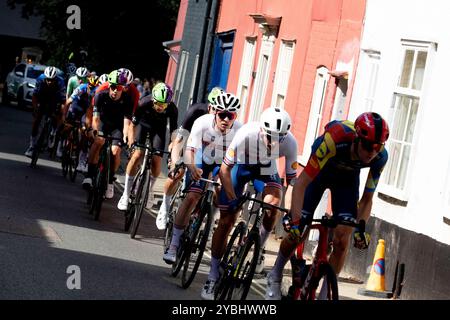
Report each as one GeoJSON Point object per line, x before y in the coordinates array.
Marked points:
{"type": "Point", "coordinates": [375, 284]}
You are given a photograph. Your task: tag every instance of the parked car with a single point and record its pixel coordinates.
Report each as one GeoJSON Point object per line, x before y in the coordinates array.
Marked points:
{"type": "Point", "coordinates": [20, 83]}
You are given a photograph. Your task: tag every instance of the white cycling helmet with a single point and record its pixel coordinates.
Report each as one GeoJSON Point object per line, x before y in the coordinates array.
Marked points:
{"type": "Point", "coordinates": [227, 102]}
{"type": "Point", "coordinates": [275, 121]}
{"type": "Point", "coordinates": [128, 74]}
{"type": "Point", "coordinates": [82, 72]}
{"type": "Point", "coordinates": [103, 78]}
{"type": "Point", "coordinates": [50, 72]}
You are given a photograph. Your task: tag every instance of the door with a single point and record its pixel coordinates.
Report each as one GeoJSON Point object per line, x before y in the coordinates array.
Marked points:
{"type": "Point", "coordinates": [223, 49]}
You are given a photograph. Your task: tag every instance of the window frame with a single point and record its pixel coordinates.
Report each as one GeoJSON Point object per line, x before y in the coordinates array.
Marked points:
{"type": "Point", "coordinates": [399, 92]}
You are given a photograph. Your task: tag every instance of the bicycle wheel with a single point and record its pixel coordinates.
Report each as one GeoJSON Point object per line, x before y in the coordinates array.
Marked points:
{"type": "Point", "coordinates": [129, 214]}
{"type": "Point", "coordinates": [228, 261]}
{"type": "Point", "coordinates": [173, 209]}
{"type": "Point", "coordinates": [140, 202]}
{"type": "Point", "coordinates": [39, 145]}
{"type": "Point", "coordinates": [308, 291]}
{"type": "Point", "coordinates": [73, 161]}
{"type": "Point", "coordinates": [98, 191]}
{"type": "Point", "coordinates": [245, 270]}
{"type": "Point", "coordinates": [200, 232]}
{"type": "Point", "coordinates": [65, 159]}
{"type": "Point", "coordinates": [181, 254]}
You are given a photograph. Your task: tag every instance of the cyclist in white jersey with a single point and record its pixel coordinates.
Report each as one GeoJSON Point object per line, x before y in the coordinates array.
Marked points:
{"type": "Point", "coordinates": [252, 155]}
{"type": "Point", "coordinates": [207, 143]}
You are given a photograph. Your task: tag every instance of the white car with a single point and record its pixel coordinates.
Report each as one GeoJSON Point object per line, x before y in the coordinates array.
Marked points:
{"type": "Point", "coordinates": [21, 82]}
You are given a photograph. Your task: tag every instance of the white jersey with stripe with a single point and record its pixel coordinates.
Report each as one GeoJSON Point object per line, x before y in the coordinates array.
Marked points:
{"type": "Point", "coordinates": [205, 137]}
{"type": "Point", "coordinates": [248, 147]}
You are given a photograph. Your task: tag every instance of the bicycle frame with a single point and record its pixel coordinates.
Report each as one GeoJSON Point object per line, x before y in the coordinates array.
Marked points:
{"type": "Point", "coordinates": [301, 288]}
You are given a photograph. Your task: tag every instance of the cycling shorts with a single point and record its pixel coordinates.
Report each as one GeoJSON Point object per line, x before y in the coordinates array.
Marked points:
{"type": "Point", "coordinates": [241, 174]}
{"type": "Point", "coordinates": [157, 137]}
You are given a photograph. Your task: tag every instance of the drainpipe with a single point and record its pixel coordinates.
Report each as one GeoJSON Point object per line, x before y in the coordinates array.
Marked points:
{"type": "Point", "coordinates": [211, 46]}
{"type": "Point", "coordinates": [202, 51]}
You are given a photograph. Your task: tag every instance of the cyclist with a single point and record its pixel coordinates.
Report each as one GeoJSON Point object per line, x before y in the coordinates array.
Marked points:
{"type": "Point", "coordinates": [151, 116]}
{"type": "Point", "coordinates": [337, 157]}
{"type": "Point", "coordinates": [80, 77]}
{"type": "Point", "coordinates": [252, 155]}
{"type": "Point", "coordinates": [130, 89]}
{"type": "Point", "coordinates": [75, 110]}
{"type": "Point", "coordinates": [110, 109]}
{"type": "Point", "coordinates": [48, 99]}
{"type": "Point", "coordinates": [209, 138]}
{"type": "Point", "coordinates": [176, 148]}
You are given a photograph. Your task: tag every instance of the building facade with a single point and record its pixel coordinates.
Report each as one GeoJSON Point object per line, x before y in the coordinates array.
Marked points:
{"type": "Point", "coordinates": [323, 60]}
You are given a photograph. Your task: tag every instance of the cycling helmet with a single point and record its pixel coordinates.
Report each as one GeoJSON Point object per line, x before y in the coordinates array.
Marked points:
{"type": "Point", "coordinates": [127, 74]}
{"type": "Point", "coordinates": [103, 78]}
{"type": "Point", "coordinates": [275, 121]}
{"type": "Point", "coordinates": [116, 78]}
{"type": "Point", "coordinates": [372, 127]}
{"type": "Point", "coordinates": [213, 94]}
{"type": "Point", "coordinates": [93, 81]}
{"type": "Point", "coordinates": [82, 72]}
{"type": "Point", "coordinates": [162, 93]}
{"type": "Point", "coordinates": [226, 102]}
{"type": "Point", "coordinates": [50, 72]}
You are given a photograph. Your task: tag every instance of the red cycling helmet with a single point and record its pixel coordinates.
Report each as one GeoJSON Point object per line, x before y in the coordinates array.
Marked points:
{"type": "Point", "coordinates": [370, 126]}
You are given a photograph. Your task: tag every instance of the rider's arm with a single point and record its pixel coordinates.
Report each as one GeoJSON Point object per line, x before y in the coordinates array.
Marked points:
{"type": "Point", "coordinates": [298, 195]}
{"type": "Point", "coordinates": [66, 105]}
{"type": "Point", "coordinates": [225, 179]}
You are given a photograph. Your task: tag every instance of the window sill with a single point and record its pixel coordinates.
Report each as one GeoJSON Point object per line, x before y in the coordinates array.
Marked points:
{"type": "Point", "coordinates": [392, 200]}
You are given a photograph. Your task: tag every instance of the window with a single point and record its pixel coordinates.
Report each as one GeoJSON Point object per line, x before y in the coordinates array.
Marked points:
{"type": "Point", "coordinates": [405, 110]}
{"type": "Point", "coordinates": [20, 68]}
{"type": "Point", "coordinates": [262, 77]}
{"type": "Point", "coordinates": [282, 74]}
{"type": "Point", "coordinates": [245, 76]}
{"type": "Point", "coordinates": [315, 113]}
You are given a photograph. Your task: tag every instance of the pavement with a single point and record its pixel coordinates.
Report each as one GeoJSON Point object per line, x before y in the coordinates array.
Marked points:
{"type": "Point", "coordinates": [348, 285]}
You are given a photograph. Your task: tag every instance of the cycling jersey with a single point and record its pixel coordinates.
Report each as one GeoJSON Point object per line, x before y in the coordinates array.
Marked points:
{"type": "Point", "coordinates": [49, 96]}
{"type": "Point", "coordinates": [80, 102]}
{"type": "Point", "coordinates": [332, 152]}
{"type": "Point", "coordinates": [73, 83]}
{"type": "Point", "coordinates": [333, 166]}
{"type": "Point", "coordinates": [193, 113]}
{"type": "Point", "coordinates": [132, 92]}
{"type": "Point", "coordinates": [248, 148]}
{"type": "Point", "coordinates": [212, 143]}
{"type": "Point", "coordinates": [209, 146]}
{"type": "Point", "coordinates": [148, 120]}
{"type": "Point", "coordinates": [111, 112]}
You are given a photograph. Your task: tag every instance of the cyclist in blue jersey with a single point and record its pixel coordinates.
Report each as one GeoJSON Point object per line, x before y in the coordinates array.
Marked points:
{"type": "Point", "coordinates": [49, 97]}
{"type": "Point", "coordinates": [75, 111]}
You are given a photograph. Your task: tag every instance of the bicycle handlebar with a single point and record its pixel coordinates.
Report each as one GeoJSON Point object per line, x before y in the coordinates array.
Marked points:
{"type": "Point", "coordinates": [149, 148]}
{"type": "Point", "coordinates": [247, 196]}
{"type": "Point", "coordinates": [182, 165]}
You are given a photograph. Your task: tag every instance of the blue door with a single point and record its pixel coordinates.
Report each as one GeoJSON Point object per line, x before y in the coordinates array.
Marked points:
{"type": "Point", "coordinates": [223, 48]}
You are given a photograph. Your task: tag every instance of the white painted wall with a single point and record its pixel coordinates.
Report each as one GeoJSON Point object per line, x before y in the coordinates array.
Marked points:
{"type": "Point", "coordinates": [387, 22]}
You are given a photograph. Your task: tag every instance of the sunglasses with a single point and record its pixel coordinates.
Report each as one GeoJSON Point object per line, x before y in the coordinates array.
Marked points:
{"type": "Point", "coordinates": [370, 146]}
{"type": "Point", "coordinates": [115, 87]}
{"type": "Point", "coordinates": [225, 114]}
{"type": "Point", "coordinates": [162, 105]}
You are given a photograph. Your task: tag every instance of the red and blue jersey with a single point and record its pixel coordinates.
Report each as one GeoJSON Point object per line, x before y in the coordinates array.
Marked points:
{"type": "Point", "coordinates": [332, 153]}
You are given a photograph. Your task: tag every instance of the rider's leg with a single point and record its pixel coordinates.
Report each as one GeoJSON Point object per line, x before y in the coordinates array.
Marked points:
{"type": "Point", "coordinates": [273, 196]}
{"type": "Point", "coordinates": [183, 215]}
